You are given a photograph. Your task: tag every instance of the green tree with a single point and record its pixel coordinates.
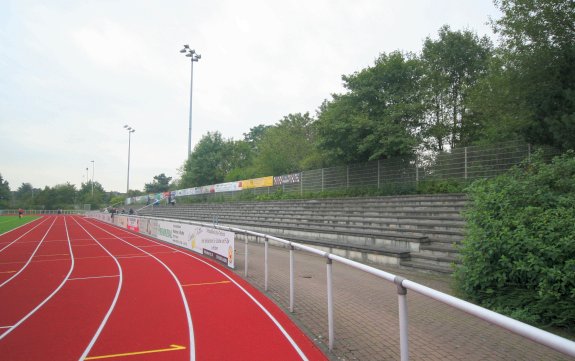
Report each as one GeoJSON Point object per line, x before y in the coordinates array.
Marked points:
{"type": "Point", "coordinates": [161, 183]}
{"type": "Point", "coordinates": [286, 147]}
{"type": "Point", "coordinates": [5, 193]}
{"type": "Point", "coordinates": [96, 196]}
{"type": "Point", "coordinates": [61, 196]}
{"type": "Point", "coordinates": [207, 164]}
{"type": "Point", "coordinates": [537, 77]}
{"type": "Point", "coordinates": [379, 117]}
{"type": "Point", "coordinates": [453, 65]}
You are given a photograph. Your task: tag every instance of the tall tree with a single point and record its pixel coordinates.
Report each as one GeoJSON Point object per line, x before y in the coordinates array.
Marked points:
{"type": "Point", "coordinates": [207, 164]}
{"type": "Point", "coordinates": [539, 53]}
{"type": "Point", "coordinates": [161, 183]}
{"type": "Point", "coordinates": [286, 147]}
{"type": "Point", "coordinates": [5, 194]}
{"type": "Point", "coordinates": [379, 117]}
{"type": "Point", "coordinates": [454, 63]}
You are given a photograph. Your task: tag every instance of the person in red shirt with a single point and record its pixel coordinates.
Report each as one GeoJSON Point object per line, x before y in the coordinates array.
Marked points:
{"type": "Point", "coordinates": [20, 212]}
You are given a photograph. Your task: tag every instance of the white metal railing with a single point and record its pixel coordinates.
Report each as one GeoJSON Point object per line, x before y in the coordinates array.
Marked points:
{"type": "Point", "coordinates": [537, 335]}
{"type": "Point", "coordinates": [542, 337]}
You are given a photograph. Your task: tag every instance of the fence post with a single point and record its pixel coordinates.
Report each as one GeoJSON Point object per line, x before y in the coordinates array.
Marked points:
{"type": "Point", "coordinates": [322, 179]}
{"type": "Point", "coordinates": [266, 263]}
{"type": "Point", "coordinates": [378, 173]}
{"type": "Point", "coordinates": [416, 170]}
{"type": "Point", "coordinates": [347, 176]}
{"type": "Point", "coordinates": [246, 255]}
{"type": "Point", "coordinates": [301, 185]}
{"type": "Point", "coordinates": [291, 278]}
{"type": "Point", "coordinates": [403, 325]}
{"type": "Point", "coordinates": [465, 162]}
{"type": "Point", "coordinates": [330, 304]}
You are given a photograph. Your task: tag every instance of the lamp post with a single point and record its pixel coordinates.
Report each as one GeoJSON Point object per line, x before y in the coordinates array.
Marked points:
{"type": "Point", "coordinates": [190, 53]}
{"type": "Point", "coordinates": [92, 180]}
{"type": "Point", "coordinates": [130, 131]}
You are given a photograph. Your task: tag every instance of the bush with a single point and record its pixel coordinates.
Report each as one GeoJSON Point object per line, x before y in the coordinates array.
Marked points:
{"type": "Point", "coordinates": [518, 256]}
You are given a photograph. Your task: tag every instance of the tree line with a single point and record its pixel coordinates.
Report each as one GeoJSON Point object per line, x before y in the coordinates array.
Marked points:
{"type": "Point", "coordinates": [459, 90]}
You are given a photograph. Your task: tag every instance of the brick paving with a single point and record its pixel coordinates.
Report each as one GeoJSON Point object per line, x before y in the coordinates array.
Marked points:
{"type": "Point", "coordinates": [366, 313]}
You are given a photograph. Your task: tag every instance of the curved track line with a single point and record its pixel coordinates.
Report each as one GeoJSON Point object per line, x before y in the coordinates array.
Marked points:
{"type": "Point", "coordinates": [179, 284]}
{"type": "Point", "coordinates": [262, 307]}
{"type": "Point", "coordinates": [53, 293]}
{"type": "Point", "coordinates": [114, 301]}
{"type": "Point", "coordinates": [32, 256]}
{"type": "Point", "coordinates": [26, 224]}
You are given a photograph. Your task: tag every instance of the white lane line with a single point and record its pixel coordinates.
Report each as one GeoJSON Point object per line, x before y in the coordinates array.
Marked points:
{"type": "Point", "coordinates": [178, 283]}
{"type": "Point", "coordinates": [91, 278]}
{"type": "Point", "coordinates": [52, 294]}
{"type": "Point", "coordinates": [31, 256]}
{"type": "Point", "coordinates": [114, 301]}
{"type": "Point", "coordinates": [262, 307]}
{"type": "Point", "coordinates": [31, 229]}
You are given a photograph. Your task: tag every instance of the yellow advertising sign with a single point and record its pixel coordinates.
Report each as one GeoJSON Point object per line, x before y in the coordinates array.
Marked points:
{"type": "Point", "coordinates": [258, 182]}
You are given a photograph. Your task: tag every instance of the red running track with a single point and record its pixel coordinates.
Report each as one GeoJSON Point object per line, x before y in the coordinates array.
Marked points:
{"type": "Point", "coordinates": [73, 288]}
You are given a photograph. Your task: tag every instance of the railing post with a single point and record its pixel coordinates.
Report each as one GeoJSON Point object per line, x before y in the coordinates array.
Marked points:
{"type": "Point", "coordinates": [378, 173]}
{"type": "Point", "coordinates": [322, 179]}
{"type": "Point", "coordinates": [329, 304]}
{"type": "Point", "coordinates": [403, 325]}
{"type": "Point", "coordinates": [465, 162]}
{"type": "Point", "coordinates": [266, 263]}
{"type": "Point", "coordinates": [246, 256]}
{"type": "Point", "coordinates": [291, 278]}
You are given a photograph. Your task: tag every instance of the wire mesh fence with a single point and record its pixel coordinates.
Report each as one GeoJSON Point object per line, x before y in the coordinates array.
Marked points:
{"type": "Point", "coordinates": [401, 174]}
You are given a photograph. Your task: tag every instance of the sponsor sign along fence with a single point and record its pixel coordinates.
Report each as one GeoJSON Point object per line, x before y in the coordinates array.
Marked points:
{"type": "Point", "coordinates": [213, 243]}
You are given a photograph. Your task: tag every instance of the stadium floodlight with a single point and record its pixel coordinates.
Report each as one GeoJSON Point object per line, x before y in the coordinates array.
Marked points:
{"type": "Point", "coordinates": [130, 131]}
{"type": "Point", "coordinates": [92, 180]}
{"type": "Point", "coordinates": [194, 57]}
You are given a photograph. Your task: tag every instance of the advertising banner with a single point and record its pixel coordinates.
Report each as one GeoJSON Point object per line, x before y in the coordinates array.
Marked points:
{"type": "Point", "coordinates": [213, 243]}
{"type": "Point", "coordinates": [258, 182]}
{"type": "Point", "coordinates": [133, 224]}
{"type": "Point", "coordinates": [287, 179]}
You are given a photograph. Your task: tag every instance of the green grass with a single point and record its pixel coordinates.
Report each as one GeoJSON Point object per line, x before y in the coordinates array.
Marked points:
{"type": "Point", "coordinates": [8, 223]}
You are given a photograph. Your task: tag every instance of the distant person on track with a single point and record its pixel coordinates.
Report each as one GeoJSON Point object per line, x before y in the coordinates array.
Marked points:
{"type": "Point", "coordinates": [20, 212]}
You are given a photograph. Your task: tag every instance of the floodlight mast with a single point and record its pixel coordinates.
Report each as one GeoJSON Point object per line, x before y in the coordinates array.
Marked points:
{"type": "Point", "coordinates": [194, 57]}
{"type": "Point", "coordinates": [130, 131]}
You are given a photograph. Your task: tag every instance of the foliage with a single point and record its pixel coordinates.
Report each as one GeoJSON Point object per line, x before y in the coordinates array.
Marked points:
{"type": "Point", "coordinates": [4, 193]}
{"type": "Point", "coordinates": [453, 65]}
{"type": "Point", "coordinates": [380, 115]}
{"type": "Point", "coordinates": [161, 183]}
{"type": "Point", "coordinates": [441, 186]}
{"type": "Point", "coordinates": [284, 148]}
{"type": "Point", "coordinates": [519, 253]}
{"type": "Point", "coordinates": [61, 196]}
{"type": "Point", "coordinates": [534, 77]}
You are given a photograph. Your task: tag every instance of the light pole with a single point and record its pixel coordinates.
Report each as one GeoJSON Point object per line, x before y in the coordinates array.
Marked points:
{"type": "Point", "coordinates": [190, 53]}
{"type": "Point", "coordinates": [87, 178]}
{"type": "Point", "coordinates": [92, 180]}
{"type": "Point", "coordinates": [130, 131]}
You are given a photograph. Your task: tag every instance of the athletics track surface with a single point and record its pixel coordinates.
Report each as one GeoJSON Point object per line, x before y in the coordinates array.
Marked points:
{"type": "Point", "coordinates": [73, 288]}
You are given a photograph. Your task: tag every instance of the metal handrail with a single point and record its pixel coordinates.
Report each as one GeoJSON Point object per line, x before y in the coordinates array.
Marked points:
{"type": "Point", "coordinates": [542, 337]}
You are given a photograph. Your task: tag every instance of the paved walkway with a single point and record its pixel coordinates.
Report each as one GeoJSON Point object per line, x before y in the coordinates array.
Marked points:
{"type": "Point", "coordinates": [365, 313]}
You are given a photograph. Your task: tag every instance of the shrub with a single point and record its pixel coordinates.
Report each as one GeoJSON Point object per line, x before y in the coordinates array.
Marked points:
{"type": "Point", "coordinates": [518, 256]}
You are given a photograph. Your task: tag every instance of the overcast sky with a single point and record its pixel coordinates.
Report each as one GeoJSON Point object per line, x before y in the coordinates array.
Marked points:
{"type": "Point", "coordinates": [74, 72]}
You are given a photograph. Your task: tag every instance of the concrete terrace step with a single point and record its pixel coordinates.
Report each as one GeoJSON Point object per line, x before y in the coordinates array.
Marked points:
{"type": "Point", "coordinates": [417, 231]}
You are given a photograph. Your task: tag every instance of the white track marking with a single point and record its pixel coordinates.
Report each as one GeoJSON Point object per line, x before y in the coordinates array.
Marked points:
{"type": "Point", "coordinates": [31, 229]}
{"type": "Point", "coordinates": [31, 256]}
{"type": "Point", "coordinates": [262, 307]}
{"type": "Point", "coordinates": [52, 294]}
{"type": "Point", "coordinates": [178, 283]}
{"type": "Point", "coordinates": [114, 301]}
{"type": "Point", "coordinates": [91, 278]}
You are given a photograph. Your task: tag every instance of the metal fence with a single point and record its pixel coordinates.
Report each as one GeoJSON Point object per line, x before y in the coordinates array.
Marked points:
{"type": "Point", "coordinates": [403, 175]}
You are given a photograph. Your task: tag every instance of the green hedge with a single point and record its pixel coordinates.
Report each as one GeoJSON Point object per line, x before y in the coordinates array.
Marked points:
{"type": "Point", "coordinates": [518, 256]}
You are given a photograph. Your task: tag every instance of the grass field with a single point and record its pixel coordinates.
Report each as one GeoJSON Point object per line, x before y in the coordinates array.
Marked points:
{"type": "Point", "coordinates": [8, 223]}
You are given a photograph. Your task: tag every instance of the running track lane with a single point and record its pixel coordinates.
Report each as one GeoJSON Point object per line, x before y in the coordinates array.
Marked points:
{"type": "Point", "coordinates": [143, 317]}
